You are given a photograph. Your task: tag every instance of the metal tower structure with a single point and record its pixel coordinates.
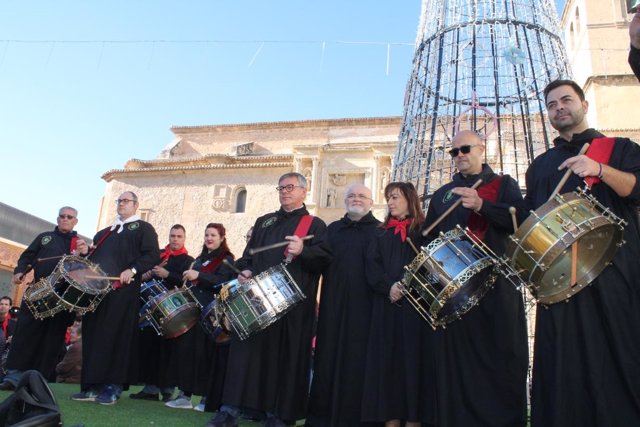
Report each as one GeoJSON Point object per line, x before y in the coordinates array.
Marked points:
{"type": "Point", "coordinates": [480, 65]}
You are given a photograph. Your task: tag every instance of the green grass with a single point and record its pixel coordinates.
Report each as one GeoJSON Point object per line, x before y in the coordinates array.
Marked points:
{"type": "Point", "coordinates": [126, 412]}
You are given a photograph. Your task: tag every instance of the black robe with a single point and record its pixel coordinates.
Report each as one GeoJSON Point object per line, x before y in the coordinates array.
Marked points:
{"type": "Point", "coordinates": [482, 358]}
{"type": "Point", "coordinates": [343, 324]}
{"type": "Point", "coordinates": [399, 370]}
{"type": "Point", "coordinates": [155, 350]}
{"type": "Point", "coordinates": [634, 61]}
{"type": "Point", "coordinates": [269, 371]}
{"type": "Point", "coordinates": [38, 344]}
{"type": "Point", "coordinates": [586, 368]}
{"type": "Point", "coordinates": [194, 352]}
{"type": "Point", "coordinates": [110, 334]}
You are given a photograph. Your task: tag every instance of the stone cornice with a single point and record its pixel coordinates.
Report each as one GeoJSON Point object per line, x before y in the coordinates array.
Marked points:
{"type": "Point", "coordinates": [369, 121]}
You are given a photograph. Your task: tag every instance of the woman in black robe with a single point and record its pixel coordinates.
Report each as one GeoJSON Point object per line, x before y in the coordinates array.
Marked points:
{"type": "Point", "coordinates": [398, 383]}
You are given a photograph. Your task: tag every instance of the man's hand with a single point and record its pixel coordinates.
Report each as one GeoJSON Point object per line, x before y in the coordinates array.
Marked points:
{"type": "Point", "coordinates": [244, 276]}
{"type": "Point", "coordinates": [634, 30]}
{"type": "Point", "coordinates": [395, 294]}
{"type": "Point", "coordinates": [17, 278]}
{"type": "Point", "coordinates": [582, 166]}
{"type": "Point", "coordinates": [81, 248]}
{"type": "Point", "coordinates": [126, 276]}
{"type": "Point", "coordinates": [295, 245]}
{"type": "Point", "coordinates": [161, 272]}
{"type": "Point", "coordinates": [469, 196]}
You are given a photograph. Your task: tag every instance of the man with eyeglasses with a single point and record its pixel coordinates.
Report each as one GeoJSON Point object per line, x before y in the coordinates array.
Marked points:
{"type": "Point", "coordinates": [268, 372]}
{"type": "Point", "coordinates": [110, 335]}
{"type": "Point", "coordinates": [37, 344]}
{"type": "Point", "coordinates": [586, 366]}
{"type": "Point", "coordinates": [344, 316]}
{"type": "Point", "coordinates": [481, 358]}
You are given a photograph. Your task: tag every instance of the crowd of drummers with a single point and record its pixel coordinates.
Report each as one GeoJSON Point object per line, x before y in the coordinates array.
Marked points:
{"type": "Point", "coordinates": [420, 319]}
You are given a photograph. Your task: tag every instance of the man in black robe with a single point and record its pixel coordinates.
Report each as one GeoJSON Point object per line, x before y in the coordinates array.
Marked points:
{"type": "Point", "coordinates": [155, 350]}
{"type": "Point", "coordinates": [481, 358]}
{"type": "Point", "coordinates": [269, 371]}
{"type": "Point", "coordinates": [344, 317]}
{"type": "Point", "coordinates": [586, 368]}
{"type": "Point", "coordinates": [634, 51]}
{"type": "Point", "coordinates": [37, 344]}
{"type": "Point", "coordinates": [110, 334]}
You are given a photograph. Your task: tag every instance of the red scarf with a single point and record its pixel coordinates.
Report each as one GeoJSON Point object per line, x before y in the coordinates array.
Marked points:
{"type": "Point", "coordinates": [169, 253]}
{"type": "Point", "coordinates": [400, 226]}
{"type": "Point", "coordinates": [211, 265]}
{"type": "Point", "coordinates": [5, 324]}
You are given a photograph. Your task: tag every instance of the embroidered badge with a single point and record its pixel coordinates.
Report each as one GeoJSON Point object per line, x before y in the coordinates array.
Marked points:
{"type": "Point", "coordinates": [133, 226]}
{"type": "Point", "coordinates": [45, 240]}
{"type": "Point", "coordinates": [447, 196]}
{"type": "Point", "coordinates": [269, 222]}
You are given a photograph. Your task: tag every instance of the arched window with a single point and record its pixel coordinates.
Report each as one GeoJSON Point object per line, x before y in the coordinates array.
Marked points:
{"type": "Point", "coordinates": [241, 201]}
{"type": "Point", "coordinates": [577, 20]}
{"type": "Point", "coordinates": [572, 36]}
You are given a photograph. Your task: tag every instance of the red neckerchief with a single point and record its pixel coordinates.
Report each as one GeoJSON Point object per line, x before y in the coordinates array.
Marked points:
{"type": "Point", "coordinates": [476, 223]}
{"type": "Point", "coordinates": [169, 253]}
{"type": "Point", "coordinates": [599, 150]}
{"type": "Point", "coordinates": [400, 226]}
{"type": "Point", "coordinates": [212, 265]}
{"type": "Point", "coordinates": [301, 230]}
{"type": "Point", "coordinates": [5, 324]}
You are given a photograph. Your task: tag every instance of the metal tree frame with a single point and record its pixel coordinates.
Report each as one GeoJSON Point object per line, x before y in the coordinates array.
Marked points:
{"type": "Point", "coordinates": [479, 65]}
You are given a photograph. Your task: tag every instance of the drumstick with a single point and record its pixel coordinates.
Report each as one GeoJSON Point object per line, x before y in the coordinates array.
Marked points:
{"type": "Point", "coordinates": [412, 245]}
{"type": "Point", "coordinates": [567, 174]}
{"type": "Point", "coordinates": [184, 282]}
{"type": "Point", "coordinates": [448, 211]}
{"type": "Point", "coordinates": [103, 277]}
{"type": "Point", "coordinates": [574, 263]}
{"type": "Point", "coordinates": [254, 251]}
{"type": "Point", "coordinates": [234, 268]}
{"type": "Point", "coordinates": [512, 211]}
{"type": "Point", "coordinates": [49, 257]}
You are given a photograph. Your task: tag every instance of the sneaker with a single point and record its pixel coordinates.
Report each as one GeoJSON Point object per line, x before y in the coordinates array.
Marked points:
{"type": "Point", "coordinates": [85, 396]}
{"type": "Point", "coordinates": [199, 407]}
{"type": "Point", "coordinates": [182, 402]}
{"type": "Point", "coordinates": [143, 395]}
{"type": "Point", "coordinates": [223, 419]}
{"type": "Point", "coordinates": [166, 397]}
{"type": "Point", "coordinates": [108, 396]}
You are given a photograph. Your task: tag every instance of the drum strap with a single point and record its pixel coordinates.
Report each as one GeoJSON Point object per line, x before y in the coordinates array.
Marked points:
{"type": "Point", "coordinates": [97, 245]}
{"type": "Point", "coordinates": [301, 230]}
{"type": "Point", "coordinates": [476, 223]}
{"type": "Point", "coordinates": [600, 150]}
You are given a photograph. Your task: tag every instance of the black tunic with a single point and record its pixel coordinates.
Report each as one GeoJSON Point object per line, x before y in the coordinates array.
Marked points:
{"type": "Point", "coordinates": [634, 61]}
{"type": "Point", "coordinates": [343, 324]}
{"type": "Point", "coordinates": [482, 358]}
{"type": "Point", "coordinates": [110, 334]}
{"type": "Point", "coordinates": [194, 352]}
{"type": "Point", "coordinates": [155, 350]}
{"type": "Point", "coordinates": [269, 371]}
{"type": "Point", "coordinates": [398, 381]}
{"type": "Point", "coordinates": [586, 368]}
{"type": "Point", "coordinates": [37, 344]}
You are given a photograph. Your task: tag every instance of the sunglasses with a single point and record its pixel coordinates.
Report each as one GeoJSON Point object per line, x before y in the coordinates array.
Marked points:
{"type": "Point", "coordinates": [66, 216]}
{"type": "Point", "coordinates": [464, 149]}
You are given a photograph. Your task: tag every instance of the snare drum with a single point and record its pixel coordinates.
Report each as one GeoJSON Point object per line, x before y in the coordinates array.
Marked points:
{"type": "Point", "coordinates": [169, 313]}
{"type": "Point", "coordinates": [214, 322]}
{"type": "Point", "coordinates": [449, 276]}
{"type": "Point", "coordinates": [256, 304]}
{"type": "Point", "coordinates": [76, 284]}
{"type": "Point", "coordinates": [572, 225]}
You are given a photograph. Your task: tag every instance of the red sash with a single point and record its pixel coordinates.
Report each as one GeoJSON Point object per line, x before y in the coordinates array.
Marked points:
{"type": "Point", "coordinates": [212, 265]}
{"type": "Point", "coordinates": [74, 243]}
{"type": "Point", "coordinates": [476, 223]}
{"type": "Point", "coordinates": [599, 150]}
{"type": "Point", "coordinates": [301, 230]}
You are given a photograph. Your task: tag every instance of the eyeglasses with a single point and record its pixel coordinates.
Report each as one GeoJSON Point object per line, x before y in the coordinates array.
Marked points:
{"type": "Point", "coordinates": [287, 188]}
{"type": "Point", "coordinates": [118, 201]}
{"type": "Point", "coordinates": [464, 149]}
{"type": "Point", "coordinates": [352, 196]}
{"type": "Point", "coordinates": [61, 216]}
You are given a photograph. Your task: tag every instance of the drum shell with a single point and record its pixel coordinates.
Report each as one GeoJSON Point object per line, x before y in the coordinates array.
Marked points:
{"type": "Point", "coordinates": [170, 312]}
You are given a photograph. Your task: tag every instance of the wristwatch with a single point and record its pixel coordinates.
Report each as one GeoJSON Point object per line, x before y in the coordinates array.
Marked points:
{"type": "Point", "coordinates": [133, 270]}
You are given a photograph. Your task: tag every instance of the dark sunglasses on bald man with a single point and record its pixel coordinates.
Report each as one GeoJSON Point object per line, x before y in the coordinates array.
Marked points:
{"type": "Point", "coordinates": [63, 216]}
{"type": "Point", "coordinates": [464, 149]}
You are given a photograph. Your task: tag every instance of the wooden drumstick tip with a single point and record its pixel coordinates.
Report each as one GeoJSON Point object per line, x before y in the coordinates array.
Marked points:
{"type": "Point", "coordinates": [512, 211]}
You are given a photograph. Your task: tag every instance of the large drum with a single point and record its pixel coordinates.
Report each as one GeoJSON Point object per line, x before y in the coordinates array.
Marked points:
{"type": "Point", "coordinates": [169, 313]}
{"type": "Point", "coordinates": [256, 304]}
{"type": "Point", "coordinates": [571, 234]}
{"type": "Point", "coordinates": [449, 276]}
{"type": "Point", "coordinates": [76, 284]}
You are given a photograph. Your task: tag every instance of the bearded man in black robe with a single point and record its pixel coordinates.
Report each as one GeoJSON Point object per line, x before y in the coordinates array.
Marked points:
{"type": "Point", "coordinates": [481, 358]}
{"type": "Point", "coordinates": [344, 317]}
{"type": "Point", "coordinates": [110, 334]}
{"type": "Point", "coordinates": [37, 343]}
{"type": "Point", "coordinates": [269, 371]}
{"type": "Point", "coordinates": [586, 368]}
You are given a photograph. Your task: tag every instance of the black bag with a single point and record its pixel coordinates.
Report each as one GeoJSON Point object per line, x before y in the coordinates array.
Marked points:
{"type": "Point", "coordinates": [32, 404]}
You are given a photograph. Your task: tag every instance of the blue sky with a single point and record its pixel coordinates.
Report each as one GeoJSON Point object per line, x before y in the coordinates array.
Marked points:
{"type": "Point", "coordinates": [70, 111]}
